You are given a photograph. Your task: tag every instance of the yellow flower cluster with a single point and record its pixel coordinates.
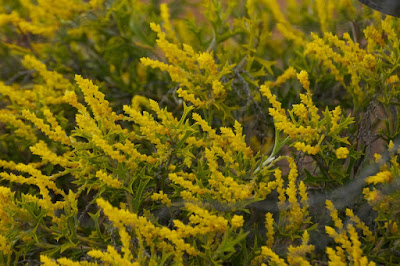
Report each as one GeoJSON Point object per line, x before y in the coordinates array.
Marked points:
{"type": "Point", "coordinates": [52, 79]}
{"type": "Point", "coordinates": [342, 153]}
{"type": "Point", "coordinates": [279, 188]}
{"type": "Point", "coordinates": [303, 123]}
{"type": "Point", "coordinates": [20, 128]}
{"type": "Point", "coordinates": [285, 28]}
{"type": "Point", "coordinates": [295, 215]}
{"type": "Point", "coordinates": [95, 99]}
{"type": "Point", "coordinates": [269, 225]}
{"type": "Point", "coordinates": [303, 78]}
{"type": "Point", "coordinates": [187, 184]}
{"type": "Point", "coordinates": [374, 37]}
{"type": "Point", "coordinates": [285, 76]}
{"type": "Point", "coordinates": [108, 180]}
{"type": "Point", "coordinates": [164, 13]}
{"type": "Point", "coordinates": [225, 188]}
{"type": "Point", "coordinates": [46, 261]}
{"type": "Point", "coordinates": [196, 73]}
{"type": "Point", "coordinates": [162, 197]}
{"type": "Point", "coordinates": [108, 149]}
{"type": "Point", "coordinates": [296, 255]}
{"type": "Point", "coordinates": [203, 222]}
{"type": "Point", "coordinates": [5, 248]}
{"type": "Point", "coordinates": [6, 195]}
{"type": "Point", "coordinates": [148, 126]}
{"type": "Point", "coordinates": [55, 132]}
{"type": "Point", "coordinates": [237, 221]}
{"type": "Point", "coordinates": [381, 177]}
{"type": "Point", "coordinates": [347, 239]}
{"type": "Point", "coordinates": [165, 239]}
{"type": "Point", "coordinates": [390, 31]}
{"type": "Point", "coordinates": [306, 148]}
{"type": "Point", "coordinates": [305, 129]}
{"type": "Point", "coordinates": [43, 151]}
{"type": "Point", "coordinates": [43, 17]}
{"type": "Point", "coordinates": [344, 56]}
{"type": "Point", "coordinates": [360, 224]}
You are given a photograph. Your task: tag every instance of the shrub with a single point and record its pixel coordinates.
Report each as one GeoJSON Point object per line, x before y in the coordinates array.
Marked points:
{"type": "Point", "coordinates": [218, 132]}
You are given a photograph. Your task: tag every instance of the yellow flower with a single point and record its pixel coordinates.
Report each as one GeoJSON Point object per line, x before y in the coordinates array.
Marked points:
{"type": "Point", "coordinates": [42, 150]}
{"type": "Point", "coordinates": [288, 74]}
{"type": "Point", "coordinates": [206, 62]}
{"type": "Point", "coordinates": [392, 79]}
{"type": "Point", "coordinates": [21, 129]}
{"type": "Point", "coordinates": [335, 117]}
{"type": "Point", "coordinates": [57, 134]}
{"type": "Point", "coordinates": [279, 188]}
{"type": "Point", "coordinates": [391, 145]}
{"type": "Point", "coordinates": [334, 214]}
{"type": "Point", "coordinates": [195, 189]}
{"type": "Point", "coordinates": [369, 61]}
{"type": "Point", "coordinates": [381, 177]}
{"type": "Point", "coordinates": [108, 180]}
{"type": "Point", "coordinates": [269, 225]}
{"type": "Point", "coordinates": [266, 252]}
{"type": "Point", "coordinates": [164, 13]}
{"type": "Point", "coordinates": [306, 148]}
{"type": "Point", "coordinates": [342, 152]}
{"type": "Point", "coordinates": [300, 111]}
{"type": "Point", "coordinates": [162, 197]}
{"type": "Point", "coordinates": [361, 225]}
{"type": "Point", "coordinates": [237, 221]}
{"type": "Point", "coordinates": [190, 97]}
{"type": "Point", "coordinates": [373, 37]}
{"type": "Point", "coordinates": [322, 14]}
{"type": "Point", "coordinates": [218, 88]}
{"type": "Point", "coordinates": [303, 78]}
{"type": "Point", "coordinates": [108, 149]}
{"type": "Point", "coordinates": [377, 157]}
{"type": "Point", "coordinates": [52, 78]}
{"type": "Point", "coordinates": [47, 261]}
{"type": "Point", "coordinates": [334, 258]}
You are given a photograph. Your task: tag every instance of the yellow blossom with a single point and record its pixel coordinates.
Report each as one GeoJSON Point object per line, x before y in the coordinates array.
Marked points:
{"type": "Point", "coordinates": [108, 180]}
{"type": "Point", "coordinates": [268, 253]}
{"type": "Point", "coordinates": [303, 78]}
{"type": "Point", "coordinates": [381, 177]}
{"type": "Point", "coordinates": [164, 13]}
{"type": "Point", "coordinates": [162, 197]}
{"type": "Point", "coordinates": [269, 225]}
{"type": "Point", "coordinates": [237, 221]}
{"type": "Point", "coordinates": [306, 148]}
{"type": "Point", "coordinates": [206, 62]}
{"type": "Point", "coordinates": [195, 189]}
{"type": "Point", "coordinates": [334, 214]}
{"type": "Point", "coordinates": [342, 153]}
{"type": "Point", "coordinates": [361, 225]}
{"type": "Point", "coordinates": [300, 110]}
{"type": "Point", "coordinates": [218, 88]}
{"type": "Point", "coordinates": [42, 150]}
{"type": "Point", "coordinates": [190, 97]}
{"type": "Point", "coordinates": [280, 189]}
{"type": "Point", "coordinates": [392, 79]}
{"type": "Point", "coordinates": [107, 148]}
{"type": "Point", "coordinates": [57, 134]}
{"type": "Point", "coordinates": [334, 259]}
{"type": "Point", "coordinates": [20, 128]}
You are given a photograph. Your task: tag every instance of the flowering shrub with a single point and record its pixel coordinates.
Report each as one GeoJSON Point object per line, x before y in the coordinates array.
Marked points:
{"type": "Point", "coordinates": [215, 132]}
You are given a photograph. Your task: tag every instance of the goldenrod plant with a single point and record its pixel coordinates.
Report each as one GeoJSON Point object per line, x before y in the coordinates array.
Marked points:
{"type": "Point", "coordinates": [199, 133]}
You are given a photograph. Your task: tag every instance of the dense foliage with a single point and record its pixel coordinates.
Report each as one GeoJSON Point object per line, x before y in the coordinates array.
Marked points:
{"type": "Point", "coordinates": [199, 133]}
